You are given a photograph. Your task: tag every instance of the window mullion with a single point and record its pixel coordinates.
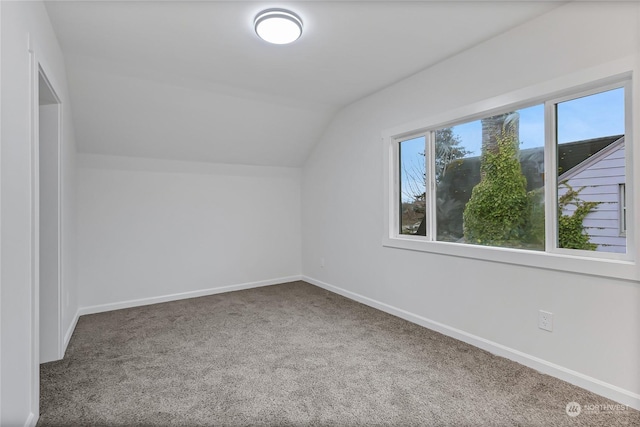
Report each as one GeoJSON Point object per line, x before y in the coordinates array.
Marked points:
{"type": "Point", "coordinates": [550, 178]}
{"type": "Point", "coordinates": [430, 185]}
{"type": "Point", "coordinates": [396, 185]}
{"type": "Point", "coordinates": [631, 233]}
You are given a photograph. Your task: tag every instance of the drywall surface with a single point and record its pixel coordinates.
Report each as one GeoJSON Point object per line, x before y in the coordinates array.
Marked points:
{"type": "Point", "coordinates": [24, 24]}
{"type": "Point", "coordinates": [153, 228]}
{"type": "Point", "coordinates": [596, 320]}
{"type": "Point", "coordinates": [171, 118]}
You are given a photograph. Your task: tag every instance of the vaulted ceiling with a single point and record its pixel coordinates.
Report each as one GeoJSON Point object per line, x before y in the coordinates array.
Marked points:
{"type": "Point", "coordinates": [192, 81]}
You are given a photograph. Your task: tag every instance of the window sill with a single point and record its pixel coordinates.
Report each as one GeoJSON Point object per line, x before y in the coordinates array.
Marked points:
{"type": "Point", "coordinates": [602, 267]}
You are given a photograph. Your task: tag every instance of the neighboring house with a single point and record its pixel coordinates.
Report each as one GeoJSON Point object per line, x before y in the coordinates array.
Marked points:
{"type": "Point", "coordinates": [596, 164]}
{"type": "Point", "coordinates": [602, 179]}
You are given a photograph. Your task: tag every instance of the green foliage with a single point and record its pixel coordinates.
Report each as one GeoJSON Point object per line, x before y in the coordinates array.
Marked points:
{"type": "Point", "coordinates": [499, 208]}
{"type": "Point", "coordinates": [571, 231]}
{"type": "Point", "coordinates": [535, 229]}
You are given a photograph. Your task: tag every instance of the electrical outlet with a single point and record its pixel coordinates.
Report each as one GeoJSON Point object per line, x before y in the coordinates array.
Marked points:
{"type": "Point", "coordinates": [321, 262]}
{"type": "Point", "coordinates": [545, 320]}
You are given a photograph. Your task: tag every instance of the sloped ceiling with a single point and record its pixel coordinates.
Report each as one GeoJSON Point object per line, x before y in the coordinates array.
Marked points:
{"type": "Point", "coordinates": [191, 80]}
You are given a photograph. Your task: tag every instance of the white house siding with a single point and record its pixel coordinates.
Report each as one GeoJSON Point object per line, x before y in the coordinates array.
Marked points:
{"type": "Point", "coordinates": [601, 177]}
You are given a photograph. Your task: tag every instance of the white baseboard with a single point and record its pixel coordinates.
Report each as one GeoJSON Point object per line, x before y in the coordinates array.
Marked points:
{"type": "Point", "coordinates": [182, 295]}
{"type": "Point", "coordinates": [594, 385]}
{"type": "Point", "coordinates": [31, 421]}
{"type": "Point", "coordinates": [67, 335]}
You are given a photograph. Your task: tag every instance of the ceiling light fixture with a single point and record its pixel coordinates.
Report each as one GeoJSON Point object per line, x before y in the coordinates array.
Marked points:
{"type": "Point", "coordinates": [278, 26]}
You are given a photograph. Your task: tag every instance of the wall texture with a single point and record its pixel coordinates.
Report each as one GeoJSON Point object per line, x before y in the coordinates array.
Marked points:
{"type": "Point", "coordinates": [596, 337]}
{"type": "Point", "coordinates": [25, 23]}
{"type": "Point", "coordinates": [151, 230]}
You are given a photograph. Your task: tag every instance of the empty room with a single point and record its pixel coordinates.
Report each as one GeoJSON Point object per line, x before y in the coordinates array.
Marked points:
{"type": "Point", "coordinates": [391, 213]}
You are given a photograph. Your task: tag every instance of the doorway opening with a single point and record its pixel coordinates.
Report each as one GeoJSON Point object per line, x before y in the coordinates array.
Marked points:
{"type": "Point", "coordinates": [49, 224]}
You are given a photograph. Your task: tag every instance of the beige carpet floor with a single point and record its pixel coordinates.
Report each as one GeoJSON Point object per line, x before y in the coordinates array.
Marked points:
{"type": "Point", "coordinates": [289, 355]}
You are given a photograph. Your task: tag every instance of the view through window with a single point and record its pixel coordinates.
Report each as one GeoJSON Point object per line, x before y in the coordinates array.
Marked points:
{"type": "Point", "coordinates": [591, 168]}
{"type": "Point", "coordinates": [412, 186]}
{"type": "Point", "coordinates": [489, 177]}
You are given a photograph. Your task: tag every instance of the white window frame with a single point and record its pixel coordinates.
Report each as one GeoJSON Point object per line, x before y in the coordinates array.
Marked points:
{"type": "Point", "coordinates": [550, 151]}
{"type": "Point", "coordinates": [598, 79]}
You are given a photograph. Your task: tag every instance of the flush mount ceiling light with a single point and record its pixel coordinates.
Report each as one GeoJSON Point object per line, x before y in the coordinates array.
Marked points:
{"type": "Point", "coordinates": [278, 26]}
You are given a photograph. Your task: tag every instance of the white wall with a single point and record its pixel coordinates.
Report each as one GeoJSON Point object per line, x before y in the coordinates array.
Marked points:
{"type": "Point", "coordinates": [152, 230]}
{"type": "Point", "coordinates": [23, 21]}
{"type": "Point", "coordinates": [596, 337]}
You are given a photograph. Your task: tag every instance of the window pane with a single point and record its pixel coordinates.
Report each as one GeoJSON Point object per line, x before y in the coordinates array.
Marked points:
{"type": "Point", "coordinates": [490, 180]}
{"type": "Point", "coordinates": [412, 187]}
{"type": "Point", "coordinates": [591, 171]}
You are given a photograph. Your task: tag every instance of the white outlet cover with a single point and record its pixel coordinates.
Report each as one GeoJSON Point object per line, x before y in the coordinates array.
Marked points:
{"type": "Point", "coordinates": [545, 320]}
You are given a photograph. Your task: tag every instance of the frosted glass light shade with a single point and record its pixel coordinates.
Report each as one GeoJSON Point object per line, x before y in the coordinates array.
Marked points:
{"type": "Point", "coordinates": [278, 26]}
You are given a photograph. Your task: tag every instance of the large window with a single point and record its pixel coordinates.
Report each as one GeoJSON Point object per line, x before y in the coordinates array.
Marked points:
{"type": "Point", "coordinates": [546, 176]}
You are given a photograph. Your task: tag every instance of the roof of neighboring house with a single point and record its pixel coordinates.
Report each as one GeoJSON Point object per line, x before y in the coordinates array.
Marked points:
{"type": "Point", "coordinates": [462, 175]}
{"type": "Point", "coordinates": [589, 161]}
{"type": "Point", "coordinates": [571, 154]}
{"type": "Point", "coordinates": [466, 172]}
